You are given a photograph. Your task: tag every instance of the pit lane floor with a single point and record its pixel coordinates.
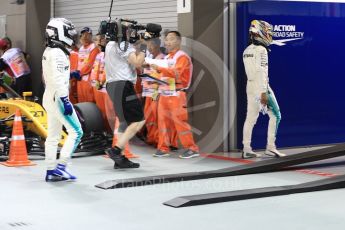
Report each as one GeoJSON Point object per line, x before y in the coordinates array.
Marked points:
{"type": "Point", "coordinates": [27, 202]}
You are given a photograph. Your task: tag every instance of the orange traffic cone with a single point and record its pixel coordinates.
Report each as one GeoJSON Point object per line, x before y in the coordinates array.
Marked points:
{"type": "Point", "coordinates": [18, 152]}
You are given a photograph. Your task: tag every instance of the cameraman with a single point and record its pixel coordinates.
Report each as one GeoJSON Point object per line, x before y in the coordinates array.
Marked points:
{"type": "Point", "coordinates": [121, 61]}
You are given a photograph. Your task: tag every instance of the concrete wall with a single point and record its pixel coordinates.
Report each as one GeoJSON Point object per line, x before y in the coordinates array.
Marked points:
{"type": "Point", "coordinates": [25, 26]}
{"type": "Point", "coordinates": [185, 23]}
{"type": "Point", "coordinates": [37, 17]}
{"type": "Point", "coordinates": [205, 26]}
{"type": "Point", "coordinates": [16, 22]}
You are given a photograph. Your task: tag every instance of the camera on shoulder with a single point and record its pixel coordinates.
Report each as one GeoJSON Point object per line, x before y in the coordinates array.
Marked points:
{"type": "Point", "coordinates": [129, 30]}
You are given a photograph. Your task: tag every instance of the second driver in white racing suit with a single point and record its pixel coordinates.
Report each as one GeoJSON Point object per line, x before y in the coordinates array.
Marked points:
{"type": "Point", "coordinates": [60, 111]}
{"type": "Point", "coordinates": [260, 96]}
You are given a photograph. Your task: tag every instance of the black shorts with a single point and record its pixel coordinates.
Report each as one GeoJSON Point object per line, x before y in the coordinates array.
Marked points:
{"type": "Point", "coordinates": [127, 105]}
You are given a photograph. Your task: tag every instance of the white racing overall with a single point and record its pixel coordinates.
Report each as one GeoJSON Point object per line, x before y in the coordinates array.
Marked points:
{"type": "Point", "coordinates": [255, 60]}
{"type": "Point", "coordinates": [56, 74]}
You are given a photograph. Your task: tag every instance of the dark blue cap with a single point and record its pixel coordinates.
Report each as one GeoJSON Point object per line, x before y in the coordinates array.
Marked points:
{"type": "Point", "coordinates": [86, 29]}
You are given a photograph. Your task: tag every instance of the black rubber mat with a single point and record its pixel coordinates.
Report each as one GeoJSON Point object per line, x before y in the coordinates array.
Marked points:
{"type": "Point", "coordinates": [211, 198]}
{"type": "Point", "coordinates": [252, 168]}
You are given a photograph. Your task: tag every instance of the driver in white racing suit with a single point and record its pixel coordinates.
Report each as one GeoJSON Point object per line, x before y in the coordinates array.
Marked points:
{"type": "Point", "coordinates": [56, 73]}
{"type": "Point", "coordinates": [260, 97]}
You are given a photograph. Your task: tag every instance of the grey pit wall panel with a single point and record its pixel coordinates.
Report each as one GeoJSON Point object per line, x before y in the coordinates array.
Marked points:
{"type": "Point", "coordinates": [2, 26]}
{"type": "Point", "coordinates": [91, 12]}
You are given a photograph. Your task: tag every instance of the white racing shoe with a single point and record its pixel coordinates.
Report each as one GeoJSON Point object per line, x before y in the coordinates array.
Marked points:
{"type": "Point", "coordinates": [249, 153]}
{"type": "Point", "coordinates": [273, 152]}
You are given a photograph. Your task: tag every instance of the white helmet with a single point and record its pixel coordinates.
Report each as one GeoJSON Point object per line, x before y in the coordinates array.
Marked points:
{"type": "Point", "coordinates": [261, 32]}
{"type": "Point", "coordinates": [60, 30]}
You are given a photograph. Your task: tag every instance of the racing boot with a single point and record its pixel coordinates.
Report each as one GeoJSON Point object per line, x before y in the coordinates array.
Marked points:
{"type": "Point", "coordinates": [61, 171]}
{"type": "Point", "coordinates": [273, 152]}
{"type": "Point", "coordinates": [51, 176]}
{"type": "Point", "coordinates": [249, 153]}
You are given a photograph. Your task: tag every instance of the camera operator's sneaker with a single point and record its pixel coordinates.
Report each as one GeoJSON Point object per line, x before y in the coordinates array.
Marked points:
{"type": "Point", "coordinates": [189, 154]}
{"type": "Point", "coordinates": [126, 163]}
{"type": "Point", "coordinates": [121, 161]}
{"type": "Point", "coordinates": [52, 177]}
{"type": "Point", "coordinates": [62, 172]}
{"type": "Point", "coordinates": [273, 152]}
{"type": "Point", "coordinates": [160, 153]}
{"type": "Point", "coordinates": [249, 153]}
{"type": "Point", "coordinates": [113, 153]}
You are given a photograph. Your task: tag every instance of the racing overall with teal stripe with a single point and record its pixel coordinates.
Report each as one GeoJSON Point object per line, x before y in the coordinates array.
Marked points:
{"type": "Point", "coordinates": [255, 60]}
{"type": "Point", "coordinates": [56, 71]}
{"type": "Point", "coordinates": [275, 117]}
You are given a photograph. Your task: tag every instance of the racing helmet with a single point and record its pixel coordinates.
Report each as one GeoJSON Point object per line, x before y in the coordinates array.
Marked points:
{"type": "Point", "coordinates": [261, 32]}
{"type": "Point", "coordinates": [60, 30]}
